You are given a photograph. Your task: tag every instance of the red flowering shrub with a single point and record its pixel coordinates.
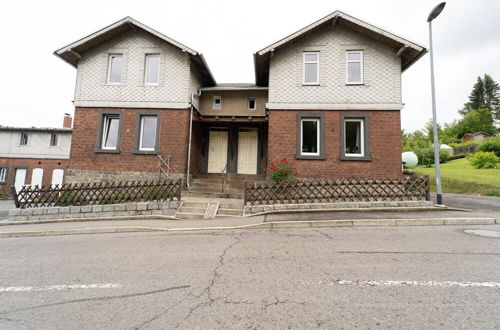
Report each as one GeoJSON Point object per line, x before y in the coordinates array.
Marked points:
{"type": "Point", "coordinates": [282, 172]}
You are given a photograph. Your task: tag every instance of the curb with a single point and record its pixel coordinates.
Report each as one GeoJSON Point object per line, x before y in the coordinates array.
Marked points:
{"type": "Point", "coordinates": [121, 218]}
{"type": "Point", "coordinates": [264, 225]}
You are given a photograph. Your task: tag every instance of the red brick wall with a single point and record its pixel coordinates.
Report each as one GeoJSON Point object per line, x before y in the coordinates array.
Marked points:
{"type": "Point", "coordinates": [385, 145]}
{"type": "Point", "coordinates": [173, 139]}
{"type": "Point", "coordinates": [48, 166]}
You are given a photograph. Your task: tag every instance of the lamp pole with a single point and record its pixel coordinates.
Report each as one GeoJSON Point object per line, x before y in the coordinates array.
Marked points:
{"type": "Point", "coordinates": [434, 13]}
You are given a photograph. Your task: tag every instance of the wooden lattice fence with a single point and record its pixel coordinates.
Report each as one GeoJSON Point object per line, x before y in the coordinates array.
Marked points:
{"type": "Point", "coordinates": [338, 190]}
{"type": "Point", "coordinates": [97, 193]}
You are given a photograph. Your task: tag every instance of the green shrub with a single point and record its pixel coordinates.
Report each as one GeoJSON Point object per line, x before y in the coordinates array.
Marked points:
{"type": "Point", "coordinates": [491, 145]}
{"type": "Point", "coordinates": [282, 172]}
{"type": "Point", "coordinates": [426, 156]}
{"type": "Point", "coordinates": [464, 144]}
{"type": "Point", "coordinates": [456, 157]}
{"type": "Point", "coordinates": [484, 160]}
{"type": "Point", "coordinates": [68, 198]}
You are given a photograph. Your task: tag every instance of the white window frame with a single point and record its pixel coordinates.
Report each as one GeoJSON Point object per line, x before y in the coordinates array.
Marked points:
{"type": "Point", "coordinates": [220, 102]}
{"type": "Point", "coordinates": [361, 136]}
{"type": "Point", "coordinates": [21, 139]}
{"type": "Point", "coordinates": [254, 103]}
{"type": "Point", "coordinates": [146, 65]}
{"type": "Point", "coordinates": [304, 62]}
{"type": "Point", "coordinates": [318, 137]}
{"type": "Point", "coordinates": [361, 64]}
{"type": "Point", "coordinates": [52, 139]}
{"type": "Point", "coordinates": [141, 131]}
{"type": "Point", "coordinates": [3, 174]}
{"type": "Point", "coordinates": [105, 132]}
{"type": "Point", "coordinates": [110, 56]}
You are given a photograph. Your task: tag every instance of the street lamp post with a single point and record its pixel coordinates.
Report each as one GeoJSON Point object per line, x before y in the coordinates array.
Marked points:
{"type": "Point", "coordinates": [434, 13]}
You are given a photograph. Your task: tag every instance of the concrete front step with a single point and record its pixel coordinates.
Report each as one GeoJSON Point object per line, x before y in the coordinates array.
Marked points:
{"type": "Point", "coordinates": [210, 195]}
{"type": "Point", "coordinates": [185, 209]}
{"type": "Point", "coordinates": [217, 191]}
{"type": "Point", "coordinates": [230, 212]}
{"type": "Point", "coordinates": [186, 215]}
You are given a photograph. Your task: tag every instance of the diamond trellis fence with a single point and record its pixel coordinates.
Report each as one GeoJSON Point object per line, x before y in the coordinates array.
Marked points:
{"type": "Point", "coordinates": [97, 193]}
{"type": "Point", "coordinates": [338, 190]}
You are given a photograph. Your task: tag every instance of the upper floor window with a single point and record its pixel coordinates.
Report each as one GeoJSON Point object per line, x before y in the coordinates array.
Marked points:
{"type": "Point", "coordinates": [110, 132]}
{"type": "Point", "coordinates": [148, 133]}
{"type": "Point", "coordinates": [252, 103]}
{"type": "Point", "coordinates": [217, 102]}
{"type": "Point", "coordinates": [354, 64]}
{"type": "Point", "coordinates": [53, 139]}
{"type": "Point", "coordinates": [3, 174]}
{"type": "Point", "coordinates": [115, 68]}
{"type": "Point", "coordinates": [24, 139]}
{"type": "Point", "coordinates": [311, 68]}
{"type": "Point", "coordinates": [152, 72]}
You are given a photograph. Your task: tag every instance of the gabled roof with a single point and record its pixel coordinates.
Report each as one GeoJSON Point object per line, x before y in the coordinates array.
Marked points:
{"type": "Point", "coordinates": [72, 52]}
{"type": "Point", "coordinates": [409, 51]}
{"type": "Point", "coordinates": [477, 133]}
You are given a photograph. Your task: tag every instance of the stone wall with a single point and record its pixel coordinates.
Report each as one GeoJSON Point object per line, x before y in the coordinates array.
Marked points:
{"type": "Point", "coordinates": [95, 211]}
{"type": "Point", "coordinates": [86, 176]}
{"type": "Point", "coordinates": [255, 209]}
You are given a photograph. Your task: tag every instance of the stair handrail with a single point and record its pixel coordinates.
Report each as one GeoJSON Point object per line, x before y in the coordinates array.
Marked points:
{"type": "Point", "coordinates": [222, 172]}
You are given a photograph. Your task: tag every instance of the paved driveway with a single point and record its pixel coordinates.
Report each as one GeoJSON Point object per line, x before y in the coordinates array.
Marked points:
{"type": "Point", "coordinates": [477, 203]}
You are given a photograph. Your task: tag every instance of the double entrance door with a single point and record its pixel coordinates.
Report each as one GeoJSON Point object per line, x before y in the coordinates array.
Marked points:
{"type": "Point", "coordinates": [246, 152]}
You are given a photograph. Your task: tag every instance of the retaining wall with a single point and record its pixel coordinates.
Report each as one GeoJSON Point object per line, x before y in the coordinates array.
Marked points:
{"type": "Point", "coordinates": [95, 211]}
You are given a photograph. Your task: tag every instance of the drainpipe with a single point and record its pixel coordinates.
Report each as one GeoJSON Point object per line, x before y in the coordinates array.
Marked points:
{"type": "Point", "coordinates": [189, 140]}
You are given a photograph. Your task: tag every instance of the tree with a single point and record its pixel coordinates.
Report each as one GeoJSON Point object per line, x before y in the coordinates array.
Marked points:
{"type": "Point", "coordinates": [475, 121]}
{"type": "Point", "coordinates": [485, 95]}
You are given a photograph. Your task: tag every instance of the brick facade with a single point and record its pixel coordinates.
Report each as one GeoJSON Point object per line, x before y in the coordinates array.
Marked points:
{"type": "Point", "coordinates": [385, 146]}
{"type": "Point", "coordinates": [173, 139]}
{"type": "Point", "coordinates": [48, 165]}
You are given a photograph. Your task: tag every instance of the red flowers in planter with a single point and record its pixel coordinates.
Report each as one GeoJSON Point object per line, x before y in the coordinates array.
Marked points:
{"type": "Point", "coordinates": [282, 172]}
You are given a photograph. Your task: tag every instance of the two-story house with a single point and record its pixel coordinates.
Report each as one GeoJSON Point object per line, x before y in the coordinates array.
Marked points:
{"type": "Point", "coordinates": [327, 97]}
{"type": "Point", "coordinates": [32, 155]}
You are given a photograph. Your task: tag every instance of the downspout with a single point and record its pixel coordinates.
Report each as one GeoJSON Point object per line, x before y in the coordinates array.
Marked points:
{"type": "Point", "coordinates": [189, 139]}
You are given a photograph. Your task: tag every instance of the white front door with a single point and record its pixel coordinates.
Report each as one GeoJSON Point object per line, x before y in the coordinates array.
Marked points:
{"type": "Point", "coordinates": [247, 151]}
{"type": "Point", "coordinates": [37, 177]}
{"type": "Point", "coordinates": [19, 178]}
{"type": "Point", "coordinates": [217, 151]}
{"type": "Point", "coordinates": [57, 177]}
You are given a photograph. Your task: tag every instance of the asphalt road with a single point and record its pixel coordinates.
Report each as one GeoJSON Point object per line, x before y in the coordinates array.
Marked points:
{"type": "Point", "coordinates": [384, 277]}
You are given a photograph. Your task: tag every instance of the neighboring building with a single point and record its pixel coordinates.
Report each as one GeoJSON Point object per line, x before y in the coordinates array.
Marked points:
{"type": "Point", "coordinates": [479, 136]}
{"type": "Point", "coordinates": [327, 97]}
{"type": "Point", "coordinates": [33, 155]}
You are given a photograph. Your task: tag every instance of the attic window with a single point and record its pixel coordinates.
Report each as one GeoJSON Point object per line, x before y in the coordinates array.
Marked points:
{"type": "Point", "coordinates": [252, 105]}
{"type": "Point", "coordinates": [115, 69]}
{"type": "Point", "coordinates": [217, 102]}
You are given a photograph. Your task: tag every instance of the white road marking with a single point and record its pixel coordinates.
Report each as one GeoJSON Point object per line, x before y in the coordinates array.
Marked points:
{"type": "Point", "coordinates": [443, 284]}
{"type": "Point", "coordinates": [60, 287]}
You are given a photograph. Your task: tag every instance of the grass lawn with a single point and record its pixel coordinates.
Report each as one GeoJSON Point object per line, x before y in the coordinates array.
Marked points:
{"type": "Point", "coordinates": [459, 176]}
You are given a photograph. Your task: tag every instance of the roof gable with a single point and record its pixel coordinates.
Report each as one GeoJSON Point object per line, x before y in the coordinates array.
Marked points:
{"type": "Point", "coordinates": [409, 51]}
{"type": "Point", "coordinates": [72, 52]}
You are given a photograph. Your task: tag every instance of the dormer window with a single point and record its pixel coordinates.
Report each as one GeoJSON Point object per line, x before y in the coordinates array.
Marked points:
{"type": "Point", "coordinates": [217, 102]}
{"type": "Point", "coordinates": [115, 69]}
{"type": "Point", "coordinates": [252, 103]}
{"type": "Point", "coordinates": [354, 67]}
{"type": "Point", "coordinates": [311, 68]}
{"type": "Point", "coordinates": [152, 72]}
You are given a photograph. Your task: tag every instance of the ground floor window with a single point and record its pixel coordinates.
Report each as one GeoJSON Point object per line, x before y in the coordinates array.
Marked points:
{"type": "Point", "coordinates": [3, 174]}
{"type": "Point", "coordinates": [148, 133]}
{"type": "Point", "coordinates": [354, 137]}
{"type": "Point", "coordinates": [110, 127]}
{"type": "Point", "coordinates": [310, 132]}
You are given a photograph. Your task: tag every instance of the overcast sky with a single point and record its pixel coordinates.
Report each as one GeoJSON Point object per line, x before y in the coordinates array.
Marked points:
{"type": "Point", "coordinates": [36, 88]}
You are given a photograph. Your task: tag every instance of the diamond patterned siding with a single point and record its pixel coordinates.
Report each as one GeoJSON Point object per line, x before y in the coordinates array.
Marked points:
{"type": "Point", "coordinates": [382, 71]}
{"type": "Point", "coordinates": [38, 145]}
{"type": "Point", "coordinates": [91, 83]}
